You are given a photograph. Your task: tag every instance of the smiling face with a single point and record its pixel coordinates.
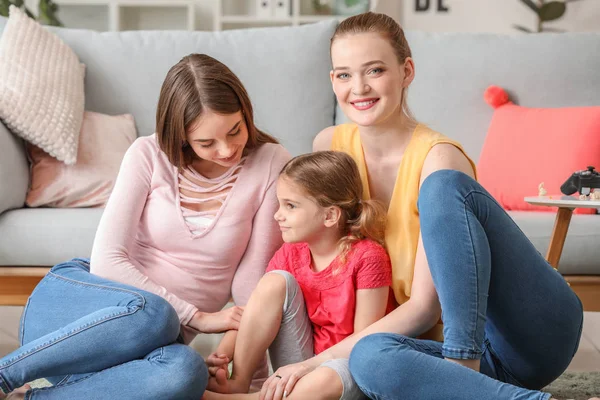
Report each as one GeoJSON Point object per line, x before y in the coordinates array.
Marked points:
{"type": "Point", "coordinates": [219, 138]}
{"type": "Point", "coordinates": [300, 218]}
{"type": "Point", "coordinates": [367, 78]}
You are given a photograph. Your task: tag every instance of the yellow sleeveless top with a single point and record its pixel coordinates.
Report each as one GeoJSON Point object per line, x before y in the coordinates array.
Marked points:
{"type": "Point", "coordinates": [403, 226]}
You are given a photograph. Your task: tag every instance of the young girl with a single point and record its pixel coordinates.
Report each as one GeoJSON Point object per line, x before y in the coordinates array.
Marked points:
{"type": "Point", "coordinates": [329, 280]}
{"type": "Point", "coordinates": [507, 314]}
{"type": "Point", "coordinates": [188, 224]}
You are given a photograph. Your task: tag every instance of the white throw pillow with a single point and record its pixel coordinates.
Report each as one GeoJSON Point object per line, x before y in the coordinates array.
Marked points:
{"type": "Point", "coordinates": [41, 87]}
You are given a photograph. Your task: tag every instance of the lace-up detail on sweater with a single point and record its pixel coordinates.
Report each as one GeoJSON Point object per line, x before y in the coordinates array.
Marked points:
{"type": "Point", "coordinates": [201, 198]}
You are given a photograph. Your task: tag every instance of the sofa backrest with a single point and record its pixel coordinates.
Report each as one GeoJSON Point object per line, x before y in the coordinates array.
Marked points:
{"type": "Point", "coordinates": [453, 70]}
{"type": "Point", "coordinates": [285, 70]}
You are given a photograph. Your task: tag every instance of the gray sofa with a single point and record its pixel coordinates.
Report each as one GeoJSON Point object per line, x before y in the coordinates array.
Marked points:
{"type": "Point", "coordinates": [286, 71]}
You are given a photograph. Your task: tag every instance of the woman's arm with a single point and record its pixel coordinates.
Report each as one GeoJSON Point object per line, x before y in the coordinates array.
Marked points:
{"type": "Point", "coordinates": [323, 139]}
{"type": "Point", "coordinates": [422, 311]}
{"type": "Point", "coordinates": [120, 222]}
{"type": "Point", "coordinates": [265, 238]}
{"type": "Point", "coordinates": [370, 306]}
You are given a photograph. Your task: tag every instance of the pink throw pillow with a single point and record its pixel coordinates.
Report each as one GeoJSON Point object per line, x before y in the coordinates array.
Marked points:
{"type": "Point", "coordinates": [102, 144]}
{"type": "Point", "coordinates": [526, 146]}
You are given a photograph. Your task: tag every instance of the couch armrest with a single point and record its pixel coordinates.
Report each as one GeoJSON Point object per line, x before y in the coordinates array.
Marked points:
{"type": "Point", "coordinates": [14, 171]}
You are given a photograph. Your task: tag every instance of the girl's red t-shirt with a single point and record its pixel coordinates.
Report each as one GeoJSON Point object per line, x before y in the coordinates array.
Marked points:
{"type": "Point", "coordinates": [330, 296]}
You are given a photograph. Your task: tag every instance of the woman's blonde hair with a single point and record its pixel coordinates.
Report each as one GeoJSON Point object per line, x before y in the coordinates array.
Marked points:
{"type": "Point", "coordinates": [195, 84]}
{"type": "Point", "coordinates": [332, 179]}
{"type": "Point", "coordinates": [389, 29]}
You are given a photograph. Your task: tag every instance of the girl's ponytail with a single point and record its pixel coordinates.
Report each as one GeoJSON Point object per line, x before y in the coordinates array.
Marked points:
{"type": "Point", "coordinates": [368, 223]}
{"type": "Point", "coordinates": [332, 179]}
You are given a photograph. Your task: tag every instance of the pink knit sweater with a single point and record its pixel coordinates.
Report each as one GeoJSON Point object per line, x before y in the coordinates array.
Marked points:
{"type": "Point", "coordinates": [144, 241]}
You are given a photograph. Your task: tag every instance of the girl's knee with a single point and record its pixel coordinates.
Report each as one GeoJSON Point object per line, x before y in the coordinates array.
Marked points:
{"type": "Point", "coordinates": [277, 282]}
{"type": "Point", "coordinates": [331, 382]}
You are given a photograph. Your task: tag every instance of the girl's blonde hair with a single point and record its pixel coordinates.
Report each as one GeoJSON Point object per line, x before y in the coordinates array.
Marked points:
{"type": "Point", "coordinates": [195, 84]}
{"type": "Point", "coordinates": [332, 179]}
{"type": "Point", "coordinates": [389, 29]}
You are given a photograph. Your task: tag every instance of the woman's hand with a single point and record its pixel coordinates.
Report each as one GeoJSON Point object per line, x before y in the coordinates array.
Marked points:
{"type": "Point", "coordinates": [282, 382]}
{"type": "Point", "coordinates": [222, 321]}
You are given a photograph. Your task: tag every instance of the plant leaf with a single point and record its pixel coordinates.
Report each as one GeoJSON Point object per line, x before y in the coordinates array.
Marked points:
{"type": "Point", "coordinates": [4, 8]}
{"type": "Point", "coordinates": [532, 5]}
{"type": "Point", "coordinates": [552, 10]}
{"type": "Point", "coordinates": [351, 3]}
{"type": "Point", "coordinates": [522, 28]}
{"type": "Point", "coordinates": [552, 30]}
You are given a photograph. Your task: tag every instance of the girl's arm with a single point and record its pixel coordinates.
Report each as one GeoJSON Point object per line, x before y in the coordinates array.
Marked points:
{"type": "Point", "coordinates": [370, 306]}
{"type": "Point", "coordinates": [419, 314]}
{"type": "Point", "coordinates": [119, 224]}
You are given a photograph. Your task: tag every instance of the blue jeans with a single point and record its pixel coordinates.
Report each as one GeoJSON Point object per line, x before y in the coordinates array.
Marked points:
{"type": "Point", "coordinates": [501, 303]}
{"type": "Point", "coordinates": [98, 339]}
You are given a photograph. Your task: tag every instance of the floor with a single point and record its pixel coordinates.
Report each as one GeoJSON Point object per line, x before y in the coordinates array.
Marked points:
{"type": "Point", "coordinates": [586, 359]}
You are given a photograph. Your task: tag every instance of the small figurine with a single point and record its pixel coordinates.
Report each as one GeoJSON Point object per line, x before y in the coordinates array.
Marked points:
{"type": "Point", "coordinates": [541, 190]}
{"type": "Point", "coordinates": [595, 195]}
{"type": "Point", "coordinates": [583, 197]}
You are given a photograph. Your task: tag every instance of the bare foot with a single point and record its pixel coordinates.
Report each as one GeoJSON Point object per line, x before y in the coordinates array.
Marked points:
{"type": "Point", "coordinates": [18, 394]}
{"type": "Point", "coordinates": [220, 384]}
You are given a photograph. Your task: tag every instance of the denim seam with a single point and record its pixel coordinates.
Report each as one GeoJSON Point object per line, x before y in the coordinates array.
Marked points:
{"type": "Point", "coordinates": [4, 385]}
{"type": "Point", "coordinates": [130, 310]}
{"type": "Point", "coordinates": [56, 386]}
{"type": "Point", "coordinates": [22, 322]}
{"type": "Point", "coordinates": [64, 379]}
{"type": "Point", "coordinates": [472, 353]}
{"type": "Point", "coordinates": [109, 288]}
{"type": "Point", "coordinates": [43, 346]}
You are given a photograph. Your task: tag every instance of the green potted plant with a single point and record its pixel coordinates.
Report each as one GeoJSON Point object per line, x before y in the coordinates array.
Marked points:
{"type": "Point", "coordinates": [47, 11]}
{"type": "Point", "coordinates": [546, 11]}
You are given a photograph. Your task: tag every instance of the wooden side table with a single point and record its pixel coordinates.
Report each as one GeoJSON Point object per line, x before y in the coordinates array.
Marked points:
{"type": "Point", "coordinates": [566, 205]}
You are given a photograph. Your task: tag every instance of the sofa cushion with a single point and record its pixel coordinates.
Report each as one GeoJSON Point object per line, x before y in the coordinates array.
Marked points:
{"type": "Point", "coordinates": [47, 236]}
{"type": "Point", "coordinates": [41, 90]}
{"type": "Point", "coordinates": [526, 146]}
{"type": "Point", "coordinates": [581, 253]}
{"type": "Point", "coordinates": [284, 69]}
{"type": "Point", "coordinates": [104, 139]}
{"type": "Point", "coordinates": [14, 170]}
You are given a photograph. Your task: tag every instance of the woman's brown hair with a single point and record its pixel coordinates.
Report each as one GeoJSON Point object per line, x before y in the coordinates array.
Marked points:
{"type": "Point", "coordinates": [385, 26]}
{"type": "Point", "coordinates": [332, 179]}
{"type": "Point", "coordinates": [195, 84]}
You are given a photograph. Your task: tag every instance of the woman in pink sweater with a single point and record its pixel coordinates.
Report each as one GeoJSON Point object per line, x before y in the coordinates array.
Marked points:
{"type": "Point", "coordinates": [188, 225]}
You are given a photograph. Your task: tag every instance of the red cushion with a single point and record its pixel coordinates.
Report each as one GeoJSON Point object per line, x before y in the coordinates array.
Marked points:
{"type": "Point", "coordinates": [527, 146]}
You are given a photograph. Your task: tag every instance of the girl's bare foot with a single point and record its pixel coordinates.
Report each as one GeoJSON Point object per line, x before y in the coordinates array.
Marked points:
{"type": "Point", "coordinates": [17, 394]}
{"type": "Point", "coordinates": [220, 384]}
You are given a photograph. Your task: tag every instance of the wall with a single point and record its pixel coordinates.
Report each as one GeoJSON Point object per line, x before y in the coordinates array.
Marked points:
{"type": "Point", "coordinates": [463, 16]}
{"type": "Point", "coordinates": [496, 16]}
